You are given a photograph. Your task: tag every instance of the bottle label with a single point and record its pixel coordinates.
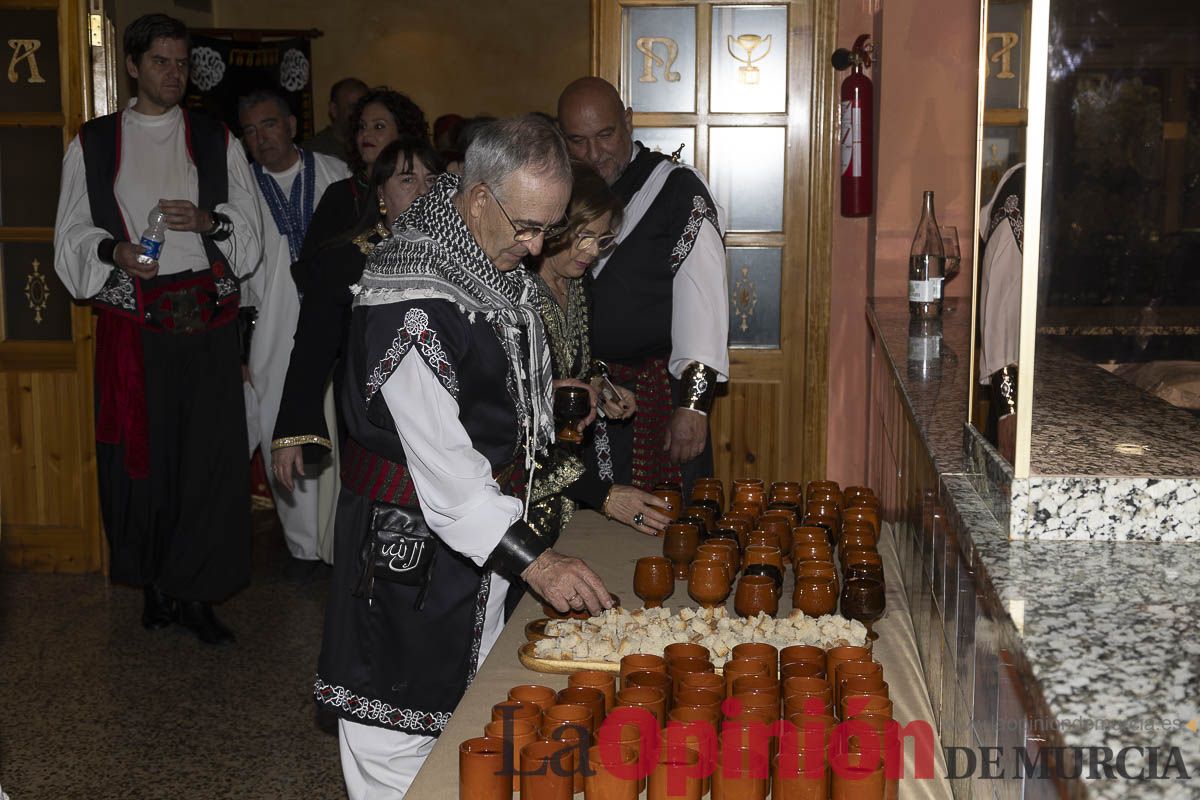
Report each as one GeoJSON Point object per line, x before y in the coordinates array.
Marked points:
{"type": "Point", "coordinates": [924, 291]}
{"type": "Point", "coordinates": [153, 249]}
{"type": "Point", "coordinates": [924, 348]}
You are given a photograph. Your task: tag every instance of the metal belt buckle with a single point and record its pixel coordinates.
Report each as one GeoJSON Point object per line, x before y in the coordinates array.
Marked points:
{"type": "Point", "coordinates": [185, 311]}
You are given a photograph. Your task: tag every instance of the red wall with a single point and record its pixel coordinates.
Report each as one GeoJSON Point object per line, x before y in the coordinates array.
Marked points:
{"type": "Point", "coordinates": [925, 94]}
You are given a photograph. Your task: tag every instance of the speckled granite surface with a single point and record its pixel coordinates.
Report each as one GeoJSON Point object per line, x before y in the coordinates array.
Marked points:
{"type": "Point", "coordinates": [1107, 632]}
{"type": "Point", "coordinates": [1108, 461]}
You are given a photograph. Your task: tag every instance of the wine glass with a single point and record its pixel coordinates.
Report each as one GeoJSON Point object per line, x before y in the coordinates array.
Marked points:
{"type": "Point", "coordinates": [572, 405]}
{"type": "Point", "coordinates": [863, 600]}
{"type": "Point", "coordinates": [950, 246]}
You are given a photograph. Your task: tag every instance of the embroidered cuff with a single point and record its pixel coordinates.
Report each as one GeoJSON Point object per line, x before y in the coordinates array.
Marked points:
{"type": "Point", "coordinates": [1004, 390]}
{"type": "Point", "coordinates": [222, 227]}
{"type": "Point", "coordinates": [106, 252]}
{"type": "Point", "coordinates": [519, 548]}
{"type": "Point", "coordinates": [698, 386]}
{"type": "Point", "coordinates": [293, 441]}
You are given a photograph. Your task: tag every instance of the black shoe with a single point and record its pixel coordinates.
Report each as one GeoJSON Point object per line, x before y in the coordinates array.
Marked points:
{"type": "Point", "coordinates": [299, 570]}
{"type": "Point", "coordinates": [199, 619]}
{"type": "Point", "coordinates": [158, 610]}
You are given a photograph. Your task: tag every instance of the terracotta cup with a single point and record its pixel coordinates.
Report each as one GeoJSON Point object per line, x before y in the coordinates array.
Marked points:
{"type": "Point", "coordinates": [700, 698]}
{"type": "Point", "coordinates": [677, 668]}
{"type": "Point", "coordinates": [541, 696]}
{"type": "Point", "coordinates": [803, 775]}
{"type": "Point", "coordinates": [654, 680]}
{"type": "Point", "coordinates": [587, 697]}
{"type": "Point", "coordinates": [853, 782]}
{"type": "Point", "coordinates": [784, 511]}
{"type": "Point", "coordinates": [560, 715]}
{"type": "Point", "coordinates": [578, 741]}
{"type": "Point", "coordinates": [518, 709]}
{"type": "Point", "coordinates": [855, 706]}
{"type": "Point", "coordinates": [481, 773]}
{"type": "Point", "coordinates": [614, 773]}
{"type": "Point", "coordinates": [674, 501]}
{"type": "Point", "coordinates": [653, 580]}
{"type": "Point", "coordinates": [802, 652]}
{"type": "Point", "coordinates": [836, 655]}
{"type": "Point", "coordinates": [704, 512]}
{"type": "Point", "coordinates": [823, 508]}
{"type": "Point", "coordinates": [709, 681]}
{"type": "Point", "coordinates": [798, 706]}
{"type": "Point", "coordinates": [680, 541]}
{"type": "Point", "coordinates": [605, 682]}
{"type": "Point", "coordinates": [710, 551]}
{"type": "Point", "coordinates": [811, 731]}
{"type": "Point", "coordinates": [750, 729]}
{"type": "Point", "coordinates": [750, 498]}
{"type": "Point", "coordinates": [547, 771]}
{"type": "Point", "coordinates": [776, 522]}
{"type": "Point", "coordinates": [811, 551]}
{"type": "Point", "coordinates": [741, 667]}
{"type": "Point", "coordinates": [685, 715]}
{"type": "Point", "coordinates": [677, 775]}
{"type": "Point", "coordinates": [684, 650]}
{"type": "Point", "coordinates": [815, 596]}
{"type": "Point", "coordinates": [626, 735]}
{"type": "Point", "coordinates": [819, 569]}
{"type": "Point", "coordinates": [760, 554]}
{"type": "Point", "coordinates": [635, 662]}
{"type": "Point", "coordinates": [761, 538]}
{"type": "Point", "coordinates": [803, 688]}
{"type": "Point", "coordinates": [808, 533]}
{"type": "Point", "coordinates": [708, 583]}
{"type": "Point", "coordinates": [652, 700]}
{"type": "Point", "coordinates": [863, 501]}
{"type": "Point", "coordinates": [865, 514]}
{"type": "Point", "coordinates": [866, 684]}
{"type": "Point", "coordinates": [761, 651]}
{"type": "Point", "coordinates": [731, 546]}
{"type": "Point", "coordinates": [857, 539]}
{"type": "Point", "coordinates": [848, 669]}
{"type": "Point", "coordinates": [517, 733]}
{"type": "Point", "coordinates": [790, 489]}
{"type": "Point", "coordinates": [765, 685]}
{"type": "Point", "coordinates": [759, 704]}
{"type": "Point", "coordinates": [741, 774]}
{"type": "Point", "coordinates": [831, 526]}
{"type": "Point", "coordinates": [756, 594]}
{"type": "Point", "coordinates": [802, 669]}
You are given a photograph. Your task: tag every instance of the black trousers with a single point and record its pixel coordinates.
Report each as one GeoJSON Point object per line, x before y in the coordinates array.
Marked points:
{"type": "Point", "coordinates": [186, 527]}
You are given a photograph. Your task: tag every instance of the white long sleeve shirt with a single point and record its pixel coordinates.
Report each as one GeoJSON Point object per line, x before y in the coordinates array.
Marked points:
{"type": "Point", "coordinates": [154, 166]}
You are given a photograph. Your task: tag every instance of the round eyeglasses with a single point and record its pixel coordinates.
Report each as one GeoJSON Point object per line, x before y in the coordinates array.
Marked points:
{"type": "Point", "coordinates": [529, 232]}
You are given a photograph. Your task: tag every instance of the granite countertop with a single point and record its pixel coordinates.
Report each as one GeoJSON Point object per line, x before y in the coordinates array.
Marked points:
{"type": "Point", "coordinates": [938, 398]}
{"type": "Point", "coordinates": [1120, 321]}
{"type": "Point", "coordinates": [1108, 631]}
{"type": "Point", "coordinates": [1087, 421]}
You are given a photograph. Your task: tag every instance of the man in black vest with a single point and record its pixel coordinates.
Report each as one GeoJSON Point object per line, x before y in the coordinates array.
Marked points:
{"type": "Point", "coordinates": [660, 317]}
{"type": "Point", "coordinates": [171, 439]}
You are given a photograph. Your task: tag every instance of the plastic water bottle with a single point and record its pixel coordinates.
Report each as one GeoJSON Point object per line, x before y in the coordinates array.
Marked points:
{"type": "Point", "coordinates": [153, 236]}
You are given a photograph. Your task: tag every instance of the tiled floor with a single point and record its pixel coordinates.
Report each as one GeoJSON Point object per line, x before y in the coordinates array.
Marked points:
{"type": "Point", "coordinates": [92, 706]}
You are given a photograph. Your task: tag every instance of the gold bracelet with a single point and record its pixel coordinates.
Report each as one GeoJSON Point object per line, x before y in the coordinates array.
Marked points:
{"type": "Point", "coordinates": [699, 386]}
{"type": "Point", "coordinates": [604, 505]}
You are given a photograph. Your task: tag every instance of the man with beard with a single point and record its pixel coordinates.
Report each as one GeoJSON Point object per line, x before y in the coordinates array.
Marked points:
{"type": "Point", "coordinates": [660, 316]}
{"type": "Point", "coordinates": [170, 419]}
{"type": "Point", "coordinates": [447, 401]}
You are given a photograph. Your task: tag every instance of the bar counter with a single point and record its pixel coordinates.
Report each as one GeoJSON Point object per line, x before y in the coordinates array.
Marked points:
{"type": "Point", "coordinates": [612, 549]}
{"type": "Point", "coordinates": [1030, 643]}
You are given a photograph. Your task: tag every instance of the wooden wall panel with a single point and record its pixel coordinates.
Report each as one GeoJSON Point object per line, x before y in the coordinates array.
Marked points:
{"type": "Point", "coordinates": [747, 432]}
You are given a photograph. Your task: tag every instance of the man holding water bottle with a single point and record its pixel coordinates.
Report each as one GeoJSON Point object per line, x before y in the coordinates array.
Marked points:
{"type": "Point", "coordinates": [170, 422]}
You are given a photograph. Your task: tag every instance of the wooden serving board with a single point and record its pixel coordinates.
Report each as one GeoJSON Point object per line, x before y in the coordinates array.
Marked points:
{"type": "Point", "coordinates": [556, 666]}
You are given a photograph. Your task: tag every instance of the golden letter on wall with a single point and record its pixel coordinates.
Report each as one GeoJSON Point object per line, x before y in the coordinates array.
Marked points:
{"type": "Point", "coordinates": [645, 46]}
{"type": "Point", "coordinates": [1003, 57]}
{"type": "Point", "coordinates": [23, 50]}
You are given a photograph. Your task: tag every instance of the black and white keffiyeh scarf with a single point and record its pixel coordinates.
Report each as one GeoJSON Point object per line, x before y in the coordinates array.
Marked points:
{"type": "Point", "coordinates": [432, 255]}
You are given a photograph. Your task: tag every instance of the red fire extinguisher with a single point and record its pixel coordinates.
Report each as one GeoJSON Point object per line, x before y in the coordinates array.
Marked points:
{"type": "Point", "coordinates": [857, 128]}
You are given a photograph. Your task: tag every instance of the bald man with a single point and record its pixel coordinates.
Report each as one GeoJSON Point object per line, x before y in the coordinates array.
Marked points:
{"type": "Point", "coordinates": [660, 318]}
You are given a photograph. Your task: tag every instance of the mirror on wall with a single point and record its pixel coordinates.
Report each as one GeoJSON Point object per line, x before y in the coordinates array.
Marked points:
{"type": "Point", "coordinates": [1004, 69]}
{"type": "Point", "coordinates": [1119, 269]}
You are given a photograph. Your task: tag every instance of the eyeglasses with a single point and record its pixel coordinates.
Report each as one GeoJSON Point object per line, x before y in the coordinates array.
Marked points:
{"type": "Point", "coordinates": [603, 242]}
{"type": "Point", "coordinates": [529, 233]}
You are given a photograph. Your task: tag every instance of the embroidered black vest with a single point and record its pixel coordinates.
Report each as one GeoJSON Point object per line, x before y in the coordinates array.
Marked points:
{"type": "Point", "coordinates": [632, 296]}
{"type": "Point", "coordinates": [207, 141]}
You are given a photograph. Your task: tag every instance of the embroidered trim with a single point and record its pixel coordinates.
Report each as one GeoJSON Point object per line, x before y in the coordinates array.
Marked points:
{"type": "Point", "coordinates": [701, 211]}
{"type": "Point", "coordinates": [1011, 211]}
{"type": "Point", "coordinates": [410, 720]}
{"type": "Point", "coordinates": [416, 329]}
{"type": "Point", "coordinates": [118, 291]}
{"type": "Point", "coordinates": [292, 441]}
{"type": "Point", "coordinates": [603, 450]}
{"type": "Point", "coordinates": [481, 602]}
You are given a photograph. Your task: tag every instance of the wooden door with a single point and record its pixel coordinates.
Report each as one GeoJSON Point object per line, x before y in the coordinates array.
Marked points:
{"type": "Point", "coordinates": [49, 513]}
{"type": "Point", "coordinates": [748, 91]}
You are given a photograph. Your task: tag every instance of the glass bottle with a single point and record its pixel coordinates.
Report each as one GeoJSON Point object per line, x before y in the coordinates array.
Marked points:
{"type": "Point", "coordinates": [926, 265]}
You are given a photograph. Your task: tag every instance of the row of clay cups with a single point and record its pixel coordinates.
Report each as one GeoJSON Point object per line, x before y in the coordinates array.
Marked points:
{"type": "Point", "coordinates": [800, 754]}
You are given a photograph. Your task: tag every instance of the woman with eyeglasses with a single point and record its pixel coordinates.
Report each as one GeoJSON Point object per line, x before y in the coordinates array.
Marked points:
{"type": "Point", "coordinates": [332, 260]}
{"type": "Point", "coordinates": [593, 217]}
